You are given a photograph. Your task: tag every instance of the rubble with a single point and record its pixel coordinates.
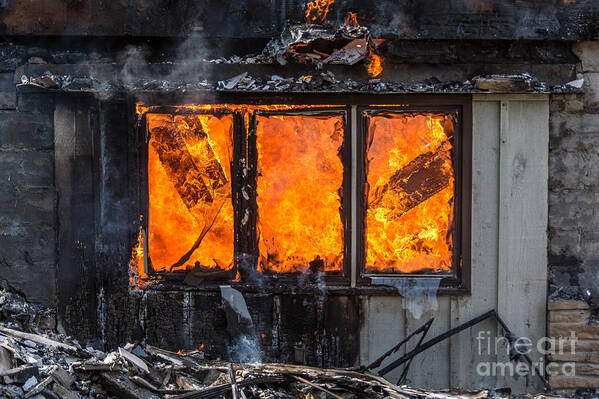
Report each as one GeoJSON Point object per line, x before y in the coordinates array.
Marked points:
{"type": "Point", "coordinates": [318, 80]}
{"type": "Point", "coordinates": [38, 362]}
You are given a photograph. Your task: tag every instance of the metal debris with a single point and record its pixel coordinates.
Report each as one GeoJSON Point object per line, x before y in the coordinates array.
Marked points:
{"type": "Point", "coordinates": [576, 83]}
{"type": "Point", "coordinates": [231, 83]}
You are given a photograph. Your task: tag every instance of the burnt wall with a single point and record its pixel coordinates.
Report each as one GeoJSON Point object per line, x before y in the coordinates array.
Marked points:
{"type": "Point", "coordinates": [574, 185]}
{"type": "Point", "coordinates": [95, 277]}
{"type": "Point", "coordinates": [426, 19]}
{"type": "Point", "coordinates": [27, 195]}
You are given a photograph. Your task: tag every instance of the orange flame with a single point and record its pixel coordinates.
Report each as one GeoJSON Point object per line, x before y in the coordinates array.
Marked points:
{"type": "Point", "coordinates": [300, 175]}
{"type": "Point", "coordinates": [189, 184]}
{"type": "Point", "coordinates": [351, 19]}
{"type": "Point", "coordinates": [136, 265]}
{"type": "Point", "coordinates": [189, 158]}
{"type": "Point", "coordinates": [375, 63]}
{"type": "Point", "coordinates": [317, 10]}
{"type": "Point", "coordinates": [409, 230]}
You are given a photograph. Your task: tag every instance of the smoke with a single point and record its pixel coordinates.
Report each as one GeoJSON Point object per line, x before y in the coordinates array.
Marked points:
{"type": "Point", "coordinates": [186, 67]}
{"type": "Point", "coordinates": [245, 349]}
{"type": "Point", "coordinates": [245, 346]}
{"type": "Point", "coordinates": [418, 294]}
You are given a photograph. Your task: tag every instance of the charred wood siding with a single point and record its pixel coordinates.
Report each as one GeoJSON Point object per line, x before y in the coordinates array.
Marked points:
{"type": "Point", "coordinates": [28, 195]}
{"type": "Point", "coordinates": [99, 154]}
{"type": "Point", "coordinates": [429, 19]}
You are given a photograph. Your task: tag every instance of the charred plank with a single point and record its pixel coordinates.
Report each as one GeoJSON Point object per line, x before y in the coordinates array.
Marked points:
{"type": "Point", "coordinates": [416, 182]}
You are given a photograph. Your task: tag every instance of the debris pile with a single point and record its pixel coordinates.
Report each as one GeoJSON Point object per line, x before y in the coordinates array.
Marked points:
{"type": "Point", "coordinates": [38, 362]}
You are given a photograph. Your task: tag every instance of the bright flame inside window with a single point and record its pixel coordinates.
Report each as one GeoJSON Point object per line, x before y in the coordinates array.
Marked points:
{"type": "Point", "coordinates": [300, 172]}
{"type": "Point", "coordinates": [410, 193]}
{"type": "Point", "coordinates": [190, 221]}
{"type": "Point", "coordinates": [300, 177]}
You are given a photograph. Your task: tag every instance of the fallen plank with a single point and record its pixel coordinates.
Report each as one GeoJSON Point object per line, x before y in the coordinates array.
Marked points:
{"type": "Point", "coordinates": [136, 361]}
{"type": "Point", "coordinates": [39, 387]}
{"type": "Point", "coordinates": [91, 368]}
{"type": "Point", "coordinates": [304, 381]}
{"type": "Point", "coordinates": [37, 339]}
{"type": "Point", "coordinates": [61, 376]}
{"type": "Point", "coordinates": [19, 375]}
{"type": "Point", "coordinates": [223, 389]}
{"type": "Point", "coordinates": [120, 386]}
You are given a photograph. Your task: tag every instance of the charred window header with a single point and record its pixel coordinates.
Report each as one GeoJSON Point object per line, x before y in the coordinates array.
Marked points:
{"type": "Point", "coordinates": [244, 192]}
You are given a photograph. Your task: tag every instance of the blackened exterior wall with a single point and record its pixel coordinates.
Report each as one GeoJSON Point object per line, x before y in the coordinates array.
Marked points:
{"type": "Point", "coordinates": [27, 192]}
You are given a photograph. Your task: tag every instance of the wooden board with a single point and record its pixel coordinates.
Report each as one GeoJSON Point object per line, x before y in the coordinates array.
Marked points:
{"type": "Point", "coordinates": [383, 327]}
{"type": "Point", "coordinates": [74, 171]}
{"type": "Point", "coordinates": [522, 274]}
{"type": "Point", "coordinates": [485, 218]}
{"type": "Point", "coordinates": [432, 367]}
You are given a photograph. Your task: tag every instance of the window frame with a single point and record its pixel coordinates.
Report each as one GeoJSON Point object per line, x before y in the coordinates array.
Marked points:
{"type": "Point", "coordinates": [353, 279]}
{"type": "Point", "coordinates": [459, 278]}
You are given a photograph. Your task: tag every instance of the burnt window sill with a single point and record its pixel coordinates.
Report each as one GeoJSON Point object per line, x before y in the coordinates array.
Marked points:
{"type": "Point", "coordinates": [447, 286]}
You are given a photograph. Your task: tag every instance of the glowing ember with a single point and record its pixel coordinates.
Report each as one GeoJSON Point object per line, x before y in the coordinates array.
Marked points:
{"type": "Point", "coordinates": [374, 63]}
{"type": "Point", "coordinates": [300, 174]}
{"type": "Point", "coordinates": [136, 264]}
{"type": "Point", "coordinates": [351, 19]}
{"type": "Point", "coordinates": [410, 194]}
{"type": "Point", "coordinates": [317, 10]}
{"type": "Point", "coordinates": [189, 183]}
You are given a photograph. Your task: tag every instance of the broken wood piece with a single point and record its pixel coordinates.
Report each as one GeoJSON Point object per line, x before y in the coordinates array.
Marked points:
{"type": "Point", "coordinates": [179, 166]}
{"type": "Point", "coordinates": [136, 361]}
{"type": "Point", "coordinates": [352, 53]}
{"type": "Point", "coordinates": [120, 386]}
{"type": "Point", "coordinates": [505, 83]}
{"type": "Point", "coordinates": [169, 356]}
{"type": "Point", "coordinates": [19, 375]}
{"type": "Point", "coordinates": [143, 383]}
{"type": "Point", "coordinates": [37, 338]}
{"type": "Point", "coordinates": [90, 368]}
{"type": "Point", "coordinates": [304, 381]}
{"type": "Point", "coordinates": [234, 389]}
{"type": "Point", "coordinates": [420, 179]}
{"type": "Point", "coordinates": [187, 383]}
{"type": "Point", "coordinates": [61, 376]}
{"type": "Point", "coordinates": [16, 353]}
{"type": "Point", "coordinates": [203, 155]}
{"type": "Point", "coordinates": [223, 389]}
{"type": "Point", "coordinates": [39, 387]}
{"type": "Point", "coordinates": [7, 361]}
{"type": "Point", "coordinates": [63, 392]}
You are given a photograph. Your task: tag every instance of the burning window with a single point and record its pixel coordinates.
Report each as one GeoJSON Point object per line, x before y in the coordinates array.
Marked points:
{"type": "Point", "coordinates": [190, 218]}
{"type": "Point", "coordinates": [299, 192]}
{"type": "Point", "coordinates": [409, 193]}
{"type": "Point", "coordinates": [269, 188]}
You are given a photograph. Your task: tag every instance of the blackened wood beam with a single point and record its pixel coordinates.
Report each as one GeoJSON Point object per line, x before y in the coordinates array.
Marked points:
{"type": "Point", "coordinates": [425, 19]}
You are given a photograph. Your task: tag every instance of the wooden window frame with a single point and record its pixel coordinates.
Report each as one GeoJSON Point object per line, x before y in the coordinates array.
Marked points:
{"type": "Point", "coordinates": [353, 279]}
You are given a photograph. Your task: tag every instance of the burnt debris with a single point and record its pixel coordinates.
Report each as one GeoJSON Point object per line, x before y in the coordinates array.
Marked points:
{"type": "Point", "coordinates": [36, 361]}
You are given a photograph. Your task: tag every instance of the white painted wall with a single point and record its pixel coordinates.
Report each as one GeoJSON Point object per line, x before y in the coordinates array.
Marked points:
{"type": "Point", "coordinates": [509, 254]}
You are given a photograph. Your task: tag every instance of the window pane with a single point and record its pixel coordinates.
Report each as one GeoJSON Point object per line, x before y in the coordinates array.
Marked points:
{"type": "Point", "coordinates": [410, 193]}
{"type": "Point", "coordinates": [189, 182]}
{"type": "Point", "coordinates": [299, 187]}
